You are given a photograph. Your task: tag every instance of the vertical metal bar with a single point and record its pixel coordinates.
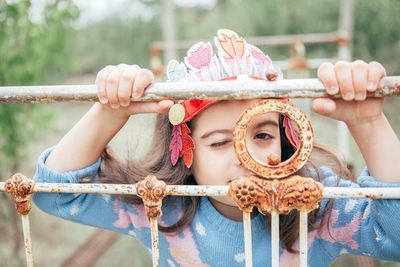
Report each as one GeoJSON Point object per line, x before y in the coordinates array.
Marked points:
{"type": "Point", "coordinates": [247, 239]}
{"type": "Point", "coordinates": [303, 238]}
{"type": "Point", "coordinates": [346, 27]}
{"type": "Point", "coordinates": [169, 30]}
{"type": "Point", "coordinates": [27, 240]}
{"type": "Point", "coordinates": [343, 140]}
{"type": "Point", "coordinates": [154, 242]}
{"type": "Point", "coordinates": [275, 238]}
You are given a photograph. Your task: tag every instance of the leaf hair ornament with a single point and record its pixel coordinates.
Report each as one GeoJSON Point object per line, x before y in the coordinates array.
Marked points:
{"type": "Point", "coordinates": [235, 60]}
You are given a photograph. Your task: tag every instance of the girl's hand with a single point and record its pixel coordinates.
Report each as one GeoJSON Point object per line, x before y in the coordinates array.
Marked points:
{"type": "Point", "coordinates": [353, 81]}
{"type": "Point", "coordinates": [117, 84]}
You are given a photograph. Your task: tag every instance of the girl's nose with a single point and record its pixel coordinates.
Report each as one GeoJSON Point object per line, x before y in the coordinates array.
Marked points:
{"type": "Point", "coordinates": [240, 170]}
{"type": "Point", "coordinates": [237, 161]}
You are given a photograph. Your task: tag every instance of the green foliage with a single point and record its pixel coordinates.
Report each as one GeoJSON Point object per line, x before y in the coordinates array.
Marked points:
{"type": "Point", "coordinates": [376, 34]}
{"type": "Point", "coordinates": [30, 53]}
{"type": "Point", "coordinates": [114, 40]}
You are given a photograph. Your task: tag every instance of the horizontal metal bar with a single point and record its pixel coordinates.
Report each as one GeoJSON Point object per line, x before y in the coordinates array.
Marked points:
{"type": "Point", "coordinates": [370, 192]}
{"type": "Point", "coordinates": [307, 38]}
{"type": "Point", "coordinates": [288, 88]}
{"type": "Point", "coordinates": [204, 190]}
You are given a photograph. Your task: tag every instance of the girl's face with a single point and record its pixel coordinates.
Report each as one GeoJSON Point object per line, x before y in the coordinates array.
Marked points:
{"type": "Point", "coordinates": [215, 161]}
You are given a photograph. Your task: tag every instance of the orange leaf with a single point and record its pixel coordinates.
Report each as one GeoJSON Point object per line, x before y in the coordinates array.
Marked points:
{"type": "Point", "coordinates": [233, 47]}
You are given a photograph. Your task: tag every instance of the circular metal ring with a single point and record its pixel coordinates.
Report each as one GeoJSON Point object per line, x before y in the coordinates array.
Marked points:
{"type": "Point", "coordinates": [296, 161]}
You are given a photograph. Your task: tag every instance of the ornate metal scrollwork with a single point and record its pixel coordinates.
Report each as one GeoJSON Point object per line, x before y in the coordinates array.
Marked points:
{"type": "Point", "coordinates": [273, 187]}
{"type": "Point", "coordinates": [282, 195]}
{"type": "Point", "coordinates": [21, 188]}
{"type": "Point", "coordinates": [152, 191]}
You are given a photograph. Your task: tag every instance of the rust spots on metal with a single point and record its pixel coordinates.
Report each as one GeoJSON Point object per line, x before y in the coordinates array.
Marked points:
{"type": "Point", "coordinates": [343, 39]}
{"type": "Point", "coordinates": [152, 191]}
{"type": "Point", "coordinates": [296, 192]}
{"type": "Point", "coordinates": [370, 196]}
{"type": "Point", "coordinates": [21, 188]}
{"type": "Point", "coordinates": [272, 76]}
{"type": "Point", "coordinates": [273, 159]}
{"type": "Point", "coordinates": [171, 189]}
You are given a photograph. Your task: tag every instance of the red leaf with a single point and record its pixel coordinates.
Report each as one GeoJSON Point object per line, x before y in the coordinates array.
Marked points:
{"type": "Point", "coordinates": [187, 146]}
{"type": "Point", "coordinates": [188, 157]}
{"type": "Point", "coordinates": [175, 146]}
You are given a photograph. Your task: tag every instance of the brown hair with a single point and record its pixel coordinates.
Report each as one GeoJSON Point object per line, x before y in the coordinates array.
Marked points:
{"type": "Point", "coordinates": [157, 162]}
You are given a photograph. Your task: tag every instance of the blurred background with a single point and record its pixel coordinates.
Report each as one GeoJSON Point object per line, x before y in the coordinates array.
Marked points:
{"type": "Point", "coordinates": [68, 41]}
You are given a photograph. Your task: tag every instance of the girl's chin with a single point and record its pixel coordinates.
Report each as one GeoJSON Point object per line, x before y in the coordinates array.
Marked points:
{"type": "Point", "coordinates": [226, 201]}
{"type": "Point", "coordinates": [227, 207]}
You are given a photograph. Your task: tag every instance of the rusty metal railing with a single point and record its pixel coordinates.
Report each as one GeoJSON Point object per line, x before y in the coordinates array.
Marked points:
{"type": "Point", "coordinates": [183, 190]}
{"type": "Point", "coordinates": [21, 187]}
{"type": "Point", "coordinates": [288, 88]}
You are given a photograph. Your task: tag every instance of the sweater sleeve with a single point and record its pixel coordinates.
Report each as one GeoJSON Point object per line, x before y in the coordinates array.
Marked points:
{"type": "Point", "coordinates": [102, 211]}
{"type": "Point", "coordinates": [361, 226]}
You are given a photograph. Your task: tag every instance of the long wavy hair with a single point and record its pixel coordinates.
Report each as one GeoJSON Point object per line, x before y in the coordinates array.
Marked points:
{"type": "Point", "coordinates": [157, 162]}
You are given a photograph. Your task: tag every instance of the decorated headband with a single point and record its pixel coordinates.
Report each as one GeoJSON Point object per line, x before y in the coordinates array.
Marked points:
{"type": "Point", "coordinates": [236, 60]}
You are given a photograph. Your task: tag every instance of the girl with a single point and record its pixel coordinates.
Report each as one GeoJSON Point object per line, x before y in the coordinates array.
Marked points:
{"type": "Point", "coordinates": [202, 231]}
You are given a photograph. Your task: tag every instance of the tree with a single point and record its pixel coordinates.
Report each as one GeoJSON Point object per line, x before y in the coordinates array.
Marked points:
{"type": "Point", "coordinates": [30, 53]}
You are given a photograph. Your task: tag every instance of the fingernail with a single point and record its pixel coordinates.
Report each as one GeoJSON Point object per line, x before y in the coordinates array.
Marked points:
{"type": "Point", "coordinates": [125, 104]}
{"type": "Point", "coordinates": [103, 100]}
{"type": "Point", "coordinates": [348, 96]}
{"type": "Point", "coordinates": [371, 86]}
{"type": "Point", "coordinates": [333, 90]}
{"type": "Point", "coordinates": [360, 96]}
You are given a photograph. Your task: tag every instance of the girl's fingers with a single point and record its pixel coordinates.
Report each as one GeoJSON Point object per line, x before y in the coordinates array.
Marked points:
{"type": "Point", "coordinates": [344, 78]}
{"type": "Point", "coordinates": [117, 84]}
{"type": "Point", "coordinates": [326, 74]}
{"type": "Point", "coordinates": [151, 107]}
{"type": "Point", "coordinates": [113, 80]}
{"type": "Point", "coordinates": [375, 73]}
{"type": "Point", "coordinates": [143, 79]}
{"type": "Point", "coordinates": [125, 85]}
{"type": "Point", "coordinates": [324, 106]}
{"type": "Point", "coordinates": [360, 73]}
{"type": "Point", "coordinates": [101, 82]}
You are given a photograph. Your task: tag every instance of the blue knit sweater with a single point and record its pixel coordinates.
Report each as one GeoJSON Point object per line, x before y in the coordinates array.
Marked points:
{"type": "Point", "coordinates": [358, 226]}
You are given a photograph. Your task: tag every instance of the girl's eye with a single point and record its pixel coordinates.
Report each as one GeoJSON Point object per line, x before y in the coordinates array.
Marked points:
{"type": "Point", "coordinates": [219, 144]}
{"type": "Point", "coordinates": [264, 136]}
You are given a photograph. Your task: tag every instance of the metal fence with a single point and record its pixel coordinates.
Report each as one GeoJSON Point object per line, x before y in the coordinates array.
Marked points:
{"type": "Point", "coordinates": [21, 187]}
